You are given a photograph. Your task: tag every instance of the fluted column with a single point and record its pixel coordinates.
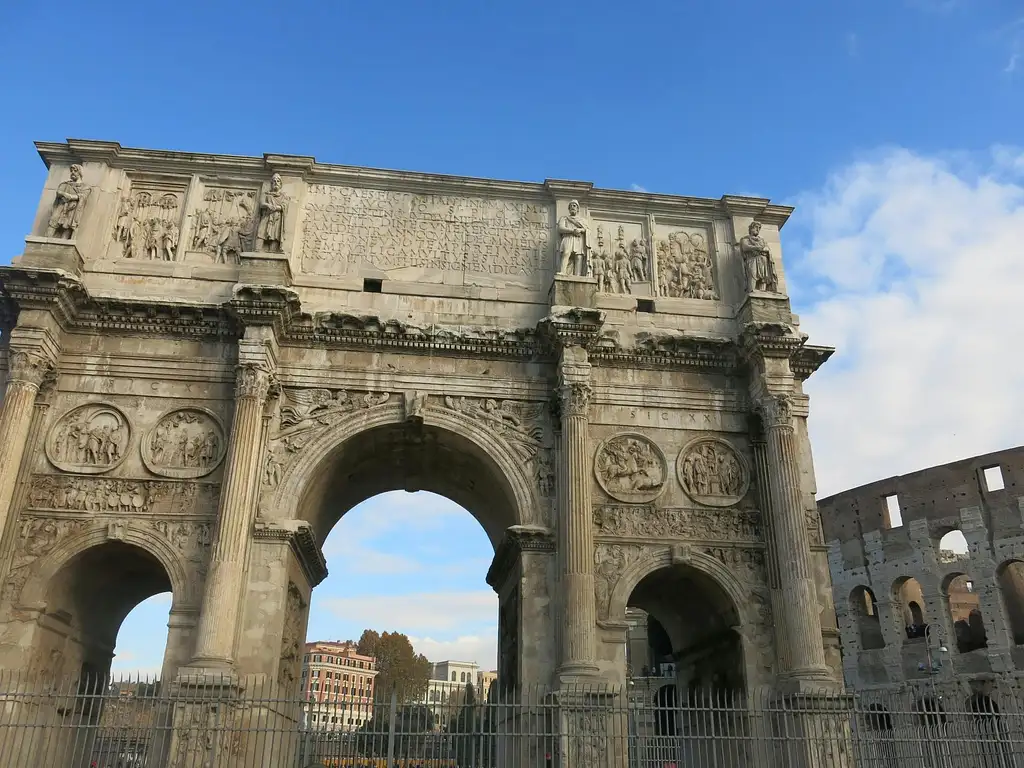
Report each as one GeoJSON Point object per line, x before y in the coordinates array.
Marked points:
{"type": "Point", "coordinates": [799, 607]}
{"type": "Point", "coordinates": [576, 536]}
{"type": "Point", "coordinates": [218, 621]}
{"type": "Point", "coordinates": [27, 369]}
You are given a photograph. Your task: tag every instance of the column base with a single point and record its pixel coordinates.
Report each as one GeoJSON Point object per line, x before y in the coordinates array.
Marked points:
{"type": "Point", "coordinates": [579, 674]}
{"type": "Point", "coordinates": [808, 682]}
{"type": "Point", "coordinates": [201, 670]}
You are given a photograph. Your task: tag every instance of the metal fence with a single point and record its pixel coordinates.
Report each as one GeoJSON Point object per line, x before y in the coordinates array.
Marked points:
{"type": "Point", "coordinates": [649, 724]}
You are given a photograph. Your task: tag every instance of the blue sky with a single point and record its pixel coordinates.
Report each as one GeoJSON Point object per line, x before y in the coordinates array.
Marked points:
{"type": "Point", "coordinates": [894, 125]}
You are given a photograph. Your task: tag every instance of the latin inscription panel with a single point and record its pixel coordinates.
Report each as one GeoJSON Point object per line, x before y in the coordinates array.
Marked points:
{"type": "Point", "coordinates": [404, 234]}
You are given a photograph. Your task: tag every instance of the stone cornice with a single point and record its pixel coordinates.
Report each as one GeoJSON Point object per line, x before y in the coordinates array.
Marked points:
{"type": "Point", "coordinates": [668, 349]}
{"type": "Point", "coordinates": [571, 327]}
{"type": "Point", "coordinates": [264, 305]}
{"type": "Point", "coordinates": [344, 330]}
{"type": "Point", "coordinates": [760, 339]}
{"type": "Point", "coordinates": [299, 536]}
{"type": "Point", "coordinates": [517, 539]}
{"type": "Point", "coordinates": [808, 359]}
{"type": "Point", "coordinates": [52, 290]}
{"type": "Point", "coordinates": [309, 169]}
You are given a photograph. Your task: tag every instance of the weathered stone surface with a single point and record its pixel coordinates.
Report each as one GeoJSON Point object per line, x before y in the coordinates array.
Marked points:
{"type": "Point", "coordinates": [335, 333]}
{"type": "Point", "coordinates": [892, 574]}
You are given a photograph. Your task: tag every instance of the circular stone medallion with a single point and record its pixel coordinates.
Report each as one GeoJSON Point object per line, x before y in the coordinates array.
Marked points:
{"type": "Point", "coordinates": [630, 468]}
{"type": "Point", "coordinates": [185, 443]}
{"type": "Point", "coordinates": [89, 439]}
{"type": "Point", "coordinates": [712, 472]}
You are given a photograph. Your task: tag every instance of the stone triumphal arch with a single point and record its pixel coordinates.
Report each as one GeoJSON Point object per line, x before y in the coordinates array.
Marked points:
{"type": "Point", "coordinates": [210, 359]}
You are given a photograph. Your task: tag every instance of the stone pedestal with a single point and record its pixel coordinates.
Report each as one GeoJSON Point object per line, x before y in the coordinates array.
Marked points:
{"type": "Point", "coordinates": [264, 269]}
{"type": "Point", "coordinates": [573, 291]}
{"type": "Point", "coordinates": [812, 731]}
{"type": "Point", "coordinates": [51, 253]}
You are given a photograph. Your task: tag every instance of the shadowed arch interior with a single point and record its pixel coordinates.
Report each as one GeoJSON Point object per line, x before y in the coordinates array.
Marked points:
{"type": "Point", "coordinates": [409, 456]}
{"type": "Point", "coordinates": [88, 599]}
{"type": "Point", "coordinates": [699, 619]}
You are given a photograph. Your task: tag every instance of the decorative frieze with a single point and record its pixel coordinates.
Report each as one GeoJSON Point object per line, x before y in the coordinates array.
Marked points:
{"type": "Point", "coordinates": [66, 493]}
{"type": "Point", "coordinates": [693, 524]}
{"type": "Point", "coordinates": [89, 439]}
{"type": "Point", "coordinates": [610, 561]}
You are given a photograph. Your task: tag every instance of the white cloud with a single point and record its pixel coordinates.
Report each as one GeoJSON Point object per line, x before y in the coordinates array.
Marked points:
{"type": "Point", "coordinates": [420, 613]}
{"type": "Point", "coordinates": [637, 188]}
{"type": "Point", "coordinates": [913, 271]}
{"type": "Point", "coordinates": [482, 648]}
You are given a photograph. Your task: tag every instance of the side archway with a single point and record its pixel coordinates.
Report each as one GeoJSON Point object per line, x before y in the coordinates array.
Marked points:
{"type": "Point", "coordinates": [705, 612]}
{"type": "Point", "coordinates": [82, 591]}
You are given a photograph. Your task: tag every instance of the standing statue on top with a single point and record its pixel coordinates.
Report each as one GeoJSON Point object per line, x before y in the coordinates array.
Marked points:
{"type": "Point", "coordinates": [270, 230]}
{"type": "Point", "coordinates": [574, 241]}
{"type": "Point", "coordinates": [757, 261]}
{"type": "Point", "coordinates": [68, 206]}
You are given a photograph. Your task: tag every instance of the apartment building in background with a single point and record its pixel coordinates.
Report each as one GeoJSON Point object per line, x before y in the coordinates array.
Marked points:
{"type": "Point", "coordinates": [337, 684]}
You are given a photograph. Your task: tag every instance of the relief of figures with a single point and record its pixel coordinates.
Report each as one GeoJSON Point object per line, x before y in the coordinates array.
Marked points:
{"type": "Point", "coordinates": [516, 422]}
{"type": "Point", "coordinates": [89, 439]}
{"type": "Point", "coordinates": [757, 261]}
{"type": "Point", "coordinates": [573, 241]}
{"type": "Point", "coordinates": [148, 226]}
{"type": "Point", "coordinates": [684, 267]}
{"type": "Point", "coordinates": [68, 206]}
{"type": "Point", "coordinates": [625, 267]}
{"type": "Point", "coordinates": [273, 206]}
{"type": "Point", "coordinates": [86, 494]}
{"type": "Point", "coordinates": [224, 225]}
{"type": "Point", "coordinates": [631, 468]}
{"type": "Point", "coordinates": [185, 443]}
{"type": "Point", "coordinates": [712, 473]}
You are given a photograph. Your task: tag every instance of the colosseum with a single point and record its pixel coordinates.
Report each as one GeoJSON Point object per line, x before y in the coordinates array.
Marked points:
{"type": "Point", "coordinates": [928, 575]}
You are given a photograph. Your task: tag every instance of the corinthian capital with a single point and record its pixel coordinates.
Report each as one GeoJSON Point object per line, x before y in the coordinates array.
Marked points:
{"type": "Point", "coordinates": [776, 410]}
{"type": "Point", "coordinates": [575, 397]}
{"type": "Point", "coordinates": [252, 380]}
{"type": "Point", "coordinates": [28, 367]}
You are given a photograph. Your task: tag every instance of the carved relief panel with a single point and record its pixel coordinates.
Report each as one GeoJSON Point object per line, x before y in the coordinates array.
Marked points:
{"type": "Point", "coordinates": [685, 263]}
{"type": "Point", "coordinates": [185, 443]}
{"type": "Point", "coordinates": [712, 472]}
{"type": "Point", "coordinates": [629, 467]}
{"type": "Point", "coordinates": [224, 222]}
{"type": "Point", "coordinates": [147, 224]}
{"type": "Point", "coordinates": [346, 230]}
{"type": "Point", "coordinates": [89, 439]}
{"type": "Point", "coordinates": [620, 257]}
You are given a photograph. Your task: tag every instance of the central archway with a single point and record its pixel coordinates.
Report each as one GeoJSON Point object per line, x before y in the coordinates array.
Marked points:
{"type": "Point", "coordinates": [447, 453]}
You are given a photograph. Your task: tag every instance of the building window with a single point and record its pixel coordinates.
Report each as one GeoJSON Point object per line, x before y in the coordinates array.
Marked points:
{"type": "Point", "coordinates": [463, 677]}
{"type": "Point", "coordinates": [318, 658]}
{"type": "Point", "coordinates": [316, 686]}
{"type": "Point", "coordinates": [453, 677]}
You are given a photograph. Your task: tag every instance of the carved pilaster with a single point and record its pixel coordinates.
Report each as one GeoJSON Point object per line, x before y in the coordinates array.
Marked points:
{"type": "Point", "coordinates": [238, 503]}
{"type": "Point", "coordinates": [28, 368]}
{"type": "Point", "coordinates": [800, 610]}
{"type": "Point", "coordinates": [579, 642]}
